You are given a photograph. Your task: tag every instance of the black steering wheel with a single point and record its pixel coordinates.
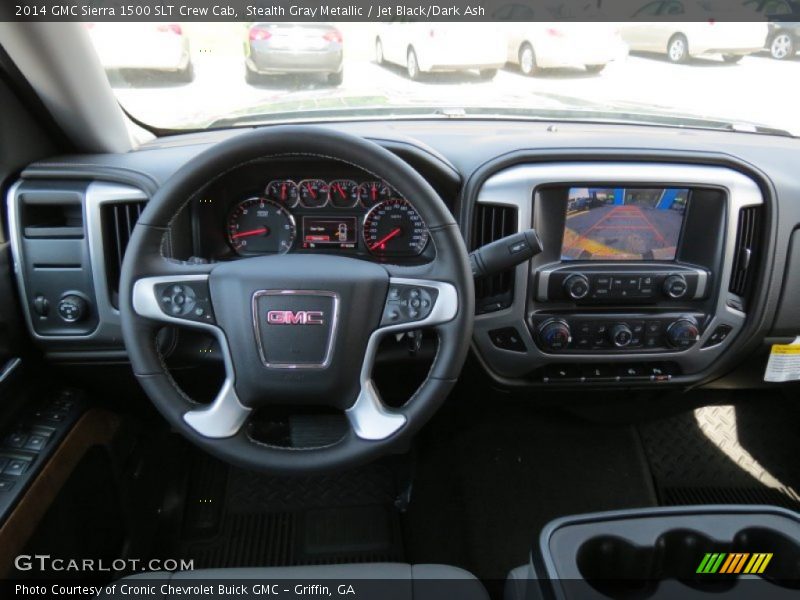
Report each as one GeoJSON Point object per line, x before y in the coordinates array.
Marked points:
{"type": "Point", "coordinates": [296, 329]}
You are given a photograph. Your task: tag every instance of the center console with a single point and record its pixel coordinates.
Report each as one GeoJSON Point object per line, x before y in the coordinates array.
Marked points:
{"type": "Point", "coordinates": [644, 276]}
{"type": "Point", "coordinates": [682, 552]}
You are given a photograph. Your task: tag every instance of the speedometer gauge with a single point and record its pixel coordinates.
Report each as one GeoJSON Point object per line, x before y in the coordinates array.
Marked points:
{"type": "Point", "coordinates": [394, 228]}
{"type": "Point", "coordinates": [260, 226]}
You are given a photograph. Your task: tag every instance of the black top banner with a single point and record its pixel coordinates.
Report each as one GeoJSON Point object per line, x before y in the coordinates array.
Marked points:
{"type": "Point", "coordinates": [400, 10]}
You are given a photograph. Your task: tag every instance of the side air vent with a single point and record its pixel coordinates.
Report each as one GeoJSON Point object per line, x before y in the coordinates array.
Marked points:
{"type": "Point", "coordinates": [491, 223]}
{"type": "Point", "coordinates": [118, 220]}
{"type": "Point", "coordinates": [745, 258]}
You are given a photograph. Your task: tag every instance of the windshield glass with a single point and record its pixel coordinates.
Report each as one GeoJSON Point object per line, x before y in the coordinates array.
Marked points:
{"type": "Point", "coordinates": [735, 76]}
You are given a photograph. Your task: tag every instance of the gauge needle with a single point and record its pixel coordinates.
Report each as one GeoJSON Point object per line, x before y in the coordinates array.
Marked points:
{"type": "Point", "coordinates": [340, 189]}
{"type": "Point", "coordinates": [381, 242]}
{"type": "Point", "coordinates": [258, 231]}
{"type": "Point", "coordinates": [311, 191]}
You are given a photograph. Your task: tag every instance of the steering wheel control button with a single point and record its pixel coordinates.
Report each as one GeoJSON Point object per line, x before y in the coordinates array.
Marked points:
{"type": "Point", "coordinates": [72, 308]}
{"type": "Point", "coordinates": [185, 300]}
{"type": "Point", "coordinates": [507, 338]}
{"type": "Point", "coordinates": [408, 303]}
{"type": "Point", "coordinates": [295, 328]}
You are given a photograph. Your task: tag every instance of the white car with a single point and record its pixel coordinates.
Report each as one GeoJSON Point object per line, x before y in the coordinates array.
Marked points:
{"type": "Point", "coordinates": [431, 47]}
{"type": "Point", "coordinates": [704, 35]}
{"type": "Point", "coordinates": [143, 46]}
{"type": "Point", "coordinates": [537, 46]}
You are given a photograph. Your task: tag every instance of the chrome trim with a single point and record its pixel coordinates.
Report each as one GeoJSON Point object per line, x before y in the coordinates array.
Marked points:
{"type": "Point", "coordinates": [9, 367]}
{"type": "Point", "coordinates": [97, 193]}
{"type": "Point", "coordinates": [225, 415]}
{"type": "Point", "coordinates": [369, 417]}
{"type": "Point", "coordinates": [515, 187]}
{"type": "Point", "coordinates": [331, 336]}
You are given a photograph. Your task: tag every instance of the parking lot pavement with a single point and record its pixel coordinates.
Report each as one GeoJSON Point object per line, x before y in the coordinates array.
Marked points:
{"type": "Point", "coordinates": [758, 89]}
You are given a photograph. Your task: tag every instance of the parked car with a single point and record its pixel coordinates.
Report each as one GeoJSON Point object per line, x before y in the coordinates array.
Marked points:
{"type": "Point", "coordinates": [783, 39]}
{"type": "Point", "coordinates": [537, 46]}
{"type": "Point", "coordinates": [425, 48]}
{"type": "Point", "coordinates": [143, 46]}
{"type": "Point", "coordinates": [280, 48]}
{"type": "Point", "coordinates": [699, 33]}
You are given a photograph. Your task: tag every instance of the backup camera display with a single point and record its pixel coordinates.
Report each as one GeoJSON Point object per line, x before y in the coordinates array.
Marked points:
{"type": "Point", "coordinates": [623, 223]}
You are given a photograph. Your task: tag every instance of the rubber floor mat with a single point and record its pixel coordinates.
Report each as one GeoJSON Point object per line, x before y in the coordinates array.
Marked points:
{"type": "Point", "coordinates": [281, 521]}
{"type": "Point", "coordinates": [743, 454]}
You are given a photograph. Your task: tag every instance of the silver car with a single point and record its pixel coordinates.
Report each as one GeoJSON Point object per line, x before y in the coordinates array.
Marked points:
{"type": "Point", "coordinates": [280, 48]}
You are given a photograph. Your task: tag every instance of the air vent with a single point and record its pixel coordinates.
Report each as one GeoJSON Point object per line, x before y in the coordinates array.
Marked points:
{"type": "Point", "coordinates": [491, 223]}
{"type": "Point", "coordinates": [118, 220]}
{"type": "Point", "coordinates": [747, 242]}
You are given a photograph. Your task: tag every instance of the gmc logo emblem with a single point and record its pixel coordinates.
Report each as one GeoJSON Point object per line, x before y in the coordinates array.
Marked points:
{"type": "Point", "coordinates": [292, 317]}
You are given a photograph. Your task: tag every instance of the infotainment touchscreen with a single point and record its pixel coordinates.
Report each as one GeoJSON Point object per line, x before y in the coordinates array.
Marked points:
{"type": "Point", "coordinates": [623, 223]}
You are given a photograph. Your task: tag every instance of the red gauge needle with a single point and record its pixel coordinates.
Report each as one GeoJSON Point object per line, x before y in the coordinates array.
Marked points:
{"type": "Point", "coordinates": [386, 238]}
{"type": "Point", "coordinates": [311, 191]}
{"type": "Point", "coordinates": [258, 231]}
{"type": "Point", "coordinates": [340, 189]}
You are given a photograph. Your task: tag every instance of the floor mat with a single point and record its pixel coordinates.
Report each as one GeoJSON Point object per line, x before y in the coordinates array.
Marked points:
{"type": "Point", "coordinates": [729, 454]}
{"type": "Point", "coordinates": [236, 518]}
{"type": "Point", "coordinates": [484, 490]}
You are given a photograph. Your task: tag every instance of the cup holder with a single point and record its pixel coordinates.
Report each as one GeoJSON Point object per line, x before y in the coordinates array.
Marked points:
{"type": "Point", "coordinates": [616, 567]}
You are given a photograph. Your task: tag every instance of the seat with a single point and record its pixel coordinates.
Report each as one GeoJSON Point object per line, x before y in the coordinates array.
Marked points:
{"type": "Point", "coordinates": [378, 581]}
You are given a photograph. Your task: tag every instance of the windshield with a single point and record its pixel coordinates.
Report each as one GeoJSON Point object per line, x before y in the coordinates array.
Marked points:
{"type": "Point", "coordinates": [734, 76]}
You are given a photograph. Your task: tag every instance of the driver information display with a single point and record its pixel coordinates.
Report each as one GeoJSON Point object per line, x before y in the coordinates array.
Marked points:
{"type": "Point", "coordinates": [324, 232]}
{"type": "Point", "coordinates": [623, 223]}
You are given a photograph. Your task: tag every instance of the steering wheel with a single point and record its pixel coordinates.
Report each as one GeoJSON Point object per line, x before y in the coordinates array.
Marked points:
{"type": "Point", "coordinates": [296, 329]}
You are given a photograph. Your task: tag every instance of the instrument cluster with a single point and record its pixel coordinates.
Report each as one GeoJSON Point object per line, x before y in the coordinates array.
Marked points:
{"type": "Point", "coordinates": [317, 214]}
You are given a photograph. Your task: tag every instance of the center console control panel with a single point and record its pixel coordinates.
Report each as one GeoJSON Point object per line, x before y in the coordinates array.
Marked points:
{"type": "Point", "coordinates": [602, 333]}
{"type": "Point", "coordinates": [590, 285]}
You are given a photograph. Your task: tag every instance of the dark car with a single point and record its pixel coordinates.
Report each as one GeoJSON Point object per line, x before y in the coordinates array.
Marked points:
{"type": "Point", "coordinates": [783, 39]}
{"type": "Point", "coordinates": [280, 48]}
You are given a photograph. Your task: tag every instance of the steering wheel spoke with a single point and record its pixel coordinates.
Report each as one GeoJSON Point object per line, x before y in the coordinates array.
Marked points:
{"type": "Point", "coordinates": [184, 299]}
{"type": "Point", "coordinates": [410, 304]}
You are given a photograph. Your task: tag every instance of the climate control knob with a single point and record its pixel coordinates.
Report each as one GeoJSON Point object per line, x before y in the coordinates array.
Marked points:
{"type": "Point", "coordinates": [675, 286]}
{"type": "Point", "coordinates": [682, 333]}
{"type": "Point", "coordinates": [576, 286]}
{"type": "Point", "coordinates": [555, 335]}
{"type": "Point", "coordinates": [621, 335]}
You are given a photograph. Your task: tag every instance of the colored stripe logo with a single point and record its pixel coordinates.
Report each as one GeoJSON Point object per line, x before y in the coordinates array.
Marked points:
{"type": "Point", "coordinates": [734, 563]}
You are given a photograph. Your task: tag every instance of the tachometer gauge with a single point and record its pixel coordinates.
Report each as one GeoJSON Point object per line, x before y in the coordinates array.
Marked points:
{"type": "Point", "coordinates": [343, 193]}
{"type": "Point", "coordinates": [394, 228]}
{"type": "Point", "coordinates": [283, 191]}
{"type": "Point", "coordinates": [260, 226]}
{"type": "Point", "coordinates": [372, 192]}
{"type": "Point", "coordinates": [313, 193]}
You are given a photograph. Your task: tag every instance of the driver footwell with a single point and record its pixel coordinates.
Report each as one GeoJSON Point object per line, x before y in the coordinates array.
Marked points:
{"type": "Point", "coordinates": [236, 518]}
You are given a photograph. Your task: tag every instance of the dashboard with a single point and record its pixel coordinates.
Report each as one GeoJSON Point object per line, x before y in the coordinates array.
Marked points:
{"type": "Point", "coordinates": [301, 205]}
{"type": "Point", "coordinates": [664, 260]}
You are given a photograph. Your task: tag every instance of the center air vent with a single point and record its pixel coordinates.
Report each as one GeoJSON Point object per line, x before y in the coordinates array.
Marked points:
{"type": "Point", "coordinates": [746, 253]}
{"type": "Point", "coordinates": [118, 220]}
{"type": "Point", "coordinates": [492, 222]}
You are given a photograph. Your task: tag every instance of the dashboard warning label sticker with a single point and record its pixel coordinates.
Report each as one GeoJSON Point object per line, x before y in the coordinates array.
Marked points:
{"type": "Point", "coordinates": [784, 362]}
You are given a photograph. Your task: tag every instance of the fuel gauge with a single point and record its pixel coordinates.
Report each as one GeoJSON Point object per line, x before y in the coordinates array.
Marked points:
{"type": "Point", "coordinates": [372, 192]}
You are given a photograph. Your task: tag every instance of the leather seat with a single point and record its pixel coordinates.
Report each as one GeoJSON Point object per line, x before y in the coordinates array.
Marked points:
{"type": "Point", "coordinates": [379, 581]}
